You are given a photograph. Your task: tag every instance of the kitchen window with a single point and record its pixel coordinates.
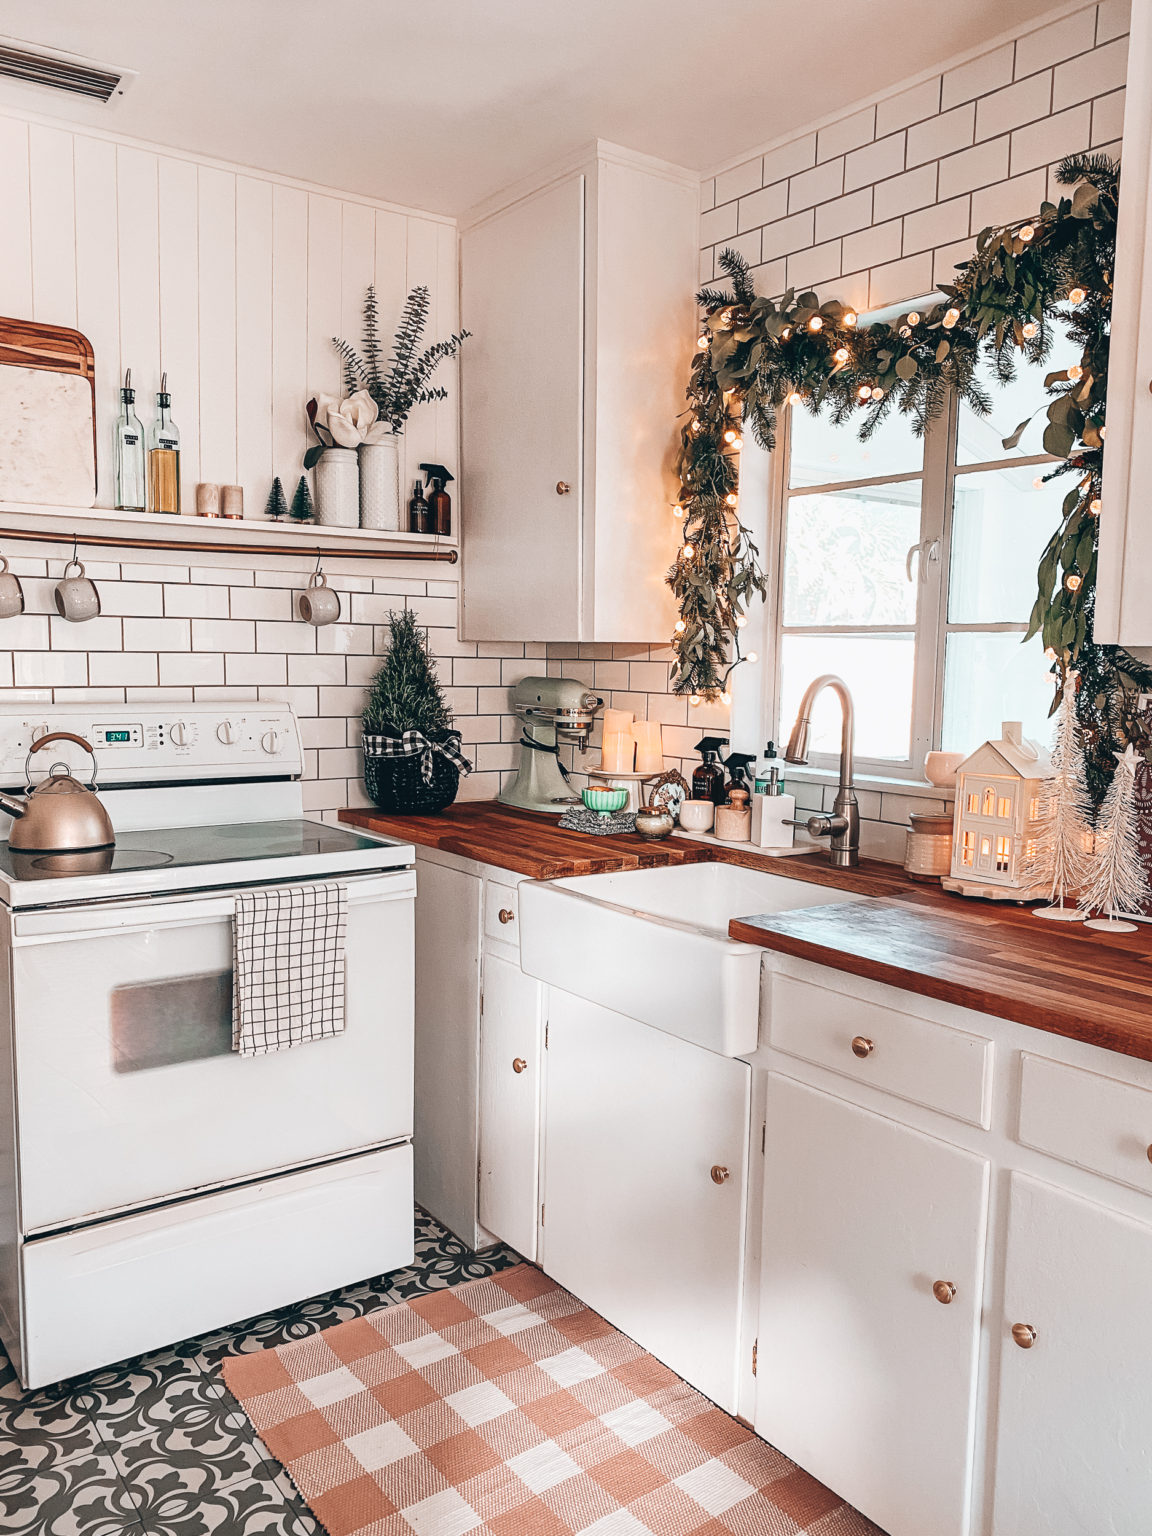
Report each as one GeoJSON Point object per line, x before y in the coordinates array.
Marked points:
{"type": "Point", "coordinates": [907, 565]}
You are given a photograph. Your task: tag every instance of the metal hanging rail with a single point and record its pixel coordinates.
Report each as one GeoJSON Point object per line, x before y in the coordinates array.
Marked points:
{"type": "Point", "coordinates": [204, 547]}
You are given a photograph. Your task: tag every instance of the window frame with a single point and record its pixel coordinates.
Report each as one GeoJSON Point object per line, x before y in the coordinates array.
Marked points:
{"type": "Point", "coordinates": [932, 626]}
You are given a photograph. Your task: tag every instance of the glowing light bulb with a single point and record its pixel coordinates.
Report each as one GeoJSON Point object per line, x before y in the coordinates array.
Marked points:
{"type": "Point", "coordinates": [703, 342]}
{"type": "Point", "coordinates": [677, 510]}
{"type": "Point", "coordinates": [741, 620]}
{"type": "Point", "coordinates": [785, 333]}
{"type": "Point", "coordinates": [731, 499]}
{"type": "Point", "coordinates": [950, 318]}
{"type": "Point", "coordinates": [1029, 329]}
{"type": "Point", "coordinates": [1103, 433]}
{"type": "Point", "coordinates": [737, 443]}
{"type": "Point", "coordinates": [726, 316]}
{"type": "Point", "coordinates": [864, 392]}
{"type": "Point", "coordinates": [793, 398]}
{"type": "Point", "coordinates": [914, 317]}
{"type": "Point", "coordinates": [841, 354]}
{"type": "Point", "coordinates": [877, 394]}
{"type": "Point", "coordinates": [1073, 582]}
{"type": "Point", "coordinates": [688, 552]}
{"type": "Point", "coordinates": [680, 626]}
{"type": "Point", "coordinates": [696, 427]}
{"type": "Point", "coordinates": [729, 436]}
{"type": "Point", "coordinates": [1038, 482]}
{"type": "Point", "coordinates": [905, 330]}
{"type": "Point", "coordinates": [1049, 654]}
{"type": "Point", "coordinates": [1027, 232]}
{"type": "Point", "coordinates": [752, 656]}
{"type": "Point", "coordinates": [725, 697]}
{"type": "Point", "coordinates": [816, 323]}
{"type": "Point", "coordinates": [694, 700]}
{"type": "Point", "coordinates": [1075, 372]}
{"type": "Point", "coordinates": [849, 317]}
{"type": "Point", "coordinates": [1094, 507]}
{"type": "Point", "coordinates": [1076, 295]}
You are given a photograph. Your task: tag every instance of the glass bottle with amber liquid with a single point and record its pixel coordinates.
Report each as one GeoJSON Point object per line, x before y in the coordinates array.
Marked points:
{"type": "Point", "coordinates": [164, 456]}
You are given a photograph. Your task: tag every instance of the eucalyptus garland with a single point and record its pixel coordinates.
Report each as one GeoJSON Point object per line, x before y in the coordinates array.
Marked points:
{"type": "Point", "coordinates": [757, 356]}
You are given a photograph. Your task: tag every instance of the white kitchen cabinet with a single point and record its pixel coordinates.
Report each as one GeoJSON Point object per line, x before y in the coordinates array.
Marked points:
{"type": "Point", "coordinates": [579, 293]}
{"type": "Point", "coordinates": [511, 1041]}
{"type": "Point", "coordinates": [865, 1377]}
{"type": "Point", "coordinates": [1123, 613]}
{"type": "Point", "coordinates": [1074, 1452]}
{"type": "Point", "coordinates": [646, 1140]}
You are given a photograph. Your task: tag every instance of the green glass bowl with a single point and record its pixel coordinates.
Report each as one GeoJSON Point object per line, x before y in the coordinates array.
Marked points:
{"type": "Point", "coordinates": [605, 801]}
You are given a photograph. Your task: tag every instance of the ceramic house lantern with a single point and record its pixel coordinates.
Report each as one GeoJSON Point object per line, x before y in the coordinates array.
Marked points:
{"type": "Point", "coordinates": [998, 792]}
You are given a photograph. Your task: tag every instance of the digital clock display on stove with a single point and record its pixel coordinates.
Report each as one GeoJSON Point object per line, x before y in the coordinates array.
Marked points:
{"type": "Point", "coordinates": [118, 736]}
{"type": "Point", "coordinates": [111, 737]}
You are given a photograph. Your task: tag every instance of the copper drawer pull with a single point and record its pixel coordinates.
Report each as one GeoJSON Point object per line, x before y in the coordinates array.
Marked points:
{"type": "Point", "coordinates": [943, 1291]}
{"type": "Point", "coordinates": [1024, 1335]}
{"type": "Point", "coordinates": [720, 1175]}
{"type": "Point", "coordinates": [862, 1046]}
{"type": "Point", "coordinates": [519, 1064]}
{"type": "Point", "coordinates": [562, 487]}
{"type": "Point", "coordinates": [507, 915]}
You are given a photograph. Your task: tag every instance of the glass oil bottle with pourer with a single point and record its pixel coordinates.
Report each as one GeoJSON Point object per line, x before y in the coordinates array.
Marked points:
{"type": "Point", "coordinates": [130, 479]}
{"type": "Point", "coordinates": [164, 456]}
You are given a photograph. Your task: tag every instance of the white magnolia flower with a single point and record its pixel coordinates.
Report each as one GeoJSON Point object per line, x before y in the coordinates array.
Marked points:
{"type": "Point", "coordinates": [351, 421]}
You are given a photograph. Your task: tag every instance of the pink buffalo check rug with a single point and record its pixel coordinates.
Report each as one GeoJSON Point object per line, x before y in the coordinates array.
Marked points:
{"type": "Point", "coordinates": [505, 1406]}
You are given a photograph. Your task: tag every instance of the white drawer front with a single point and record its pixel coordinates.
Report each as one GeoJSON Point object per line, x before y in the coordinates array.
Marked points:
{"type": "Point", "coordinates": [107, 1292]}
{"type": "Point", "coordinates": [502, 913]}
{"type": "Point", "coordinates": [1083, 1118]}
{"type": "Point", "coordinates": [912, 1057]}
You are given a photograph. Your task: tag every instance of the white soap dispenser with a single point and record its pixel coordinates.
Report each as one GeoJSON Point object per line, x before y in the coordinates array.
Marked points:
{"type": "Point", "coordinates": [772, 811]}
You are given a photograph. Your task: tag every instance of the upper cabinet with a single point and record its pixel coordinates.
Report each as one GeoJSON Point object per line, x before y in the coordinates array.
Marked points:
{"type": "Point", "coordinates": [579, 293]}
{"type": "Point", "coordinates": [1123, 612]}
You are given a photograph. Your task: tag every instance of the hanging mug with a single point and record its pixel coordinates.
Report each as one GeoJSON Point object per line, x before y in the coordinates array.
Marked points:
{"type": "Point", "coordinates": [11, 592]}
{"type": "Point", "coordinates": [319, 605]}
{"type": "Point", "coordinates": [76, 596]}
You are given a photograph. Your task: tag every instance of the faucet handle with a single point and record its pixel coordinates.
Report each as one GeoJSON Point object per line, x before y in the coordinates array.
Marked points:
{"type": "Point", "coordinates": [819, 826]}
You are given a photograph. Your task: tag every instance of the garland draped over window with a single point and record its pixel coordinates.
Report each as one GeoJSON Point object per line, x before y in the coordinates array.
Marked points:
{"type": "Point", "coordinates": [756, 356]}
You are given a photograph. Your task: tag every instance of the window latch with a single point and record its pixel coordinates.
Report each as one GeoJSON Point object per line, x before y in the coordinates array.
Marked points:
{"type": "Point", "coordinates": [929, 553]}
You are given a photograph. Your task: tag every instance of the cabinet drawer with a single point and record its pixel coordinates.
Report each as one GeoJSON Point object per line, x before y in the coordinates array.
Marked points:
{"type": "Point", "coordinates": [906, 1055]}
{"type": "Point", "coordinates": [1084, 1118]}
{"type": "Point", "coordinates": [502, 913]}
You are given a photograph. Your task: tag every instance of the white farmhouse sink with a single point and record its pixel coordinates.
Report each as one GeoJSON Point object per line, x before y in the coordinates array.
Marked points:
{"type": "Point", "coordinates": [653, 944]}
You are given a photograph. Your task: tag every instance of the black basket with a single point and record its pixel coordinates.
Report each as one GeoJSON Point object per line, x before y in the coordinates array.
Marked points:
{"type": "Point", "coordinates": [395, 784]}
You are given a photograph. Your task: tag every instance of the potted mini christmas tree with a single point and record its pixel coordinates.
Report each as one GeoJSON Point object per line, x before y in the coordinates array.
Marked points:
{"type": "Point", "coordinates": [412, 757]}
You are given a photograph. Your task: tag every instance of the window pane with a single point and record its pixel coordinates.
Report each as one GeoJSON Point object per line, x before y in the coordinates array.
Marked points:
{"type": "Point", "coordinates": [878, 672]}
{"type": "Point", "coordinates": [989, 679]}
{"type": "Point", "coordinates": [981, 438]}
{"type": "Point", "coordinates": [1000, 525]}
{"type": "Point", "coordinates": [846, 556]}
{"type": "Point", "coordinates": [823, 454]}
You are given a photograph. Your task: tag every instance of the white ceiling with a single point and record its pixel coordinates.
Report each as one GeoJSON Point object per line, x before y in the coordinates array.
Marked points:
{"type": "Point", "coordinates": [437, 103]}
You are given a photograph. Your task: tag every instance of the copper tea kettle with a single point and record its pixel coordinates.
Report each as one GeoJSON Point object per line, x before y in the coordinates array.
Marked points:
{"type": "Point", "coordinates": [59, 815]}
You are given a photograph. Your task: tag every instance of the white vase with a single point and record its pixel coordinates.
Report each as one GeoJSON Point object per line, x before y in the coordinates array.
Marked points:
{"type": "Point", "coordinates": [380, 485]}
{"type": "Point", "coordinates": [338, 488]}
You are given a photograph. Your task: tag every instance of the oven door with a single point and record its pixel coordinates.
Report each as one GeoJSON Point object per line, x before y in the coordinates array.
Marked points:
{"type": "Point", "coordinates": [128, 1090]}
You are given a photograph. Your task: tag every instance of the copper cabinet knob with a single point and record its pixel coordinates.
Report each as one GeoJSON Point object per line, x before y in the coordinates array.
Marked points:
{"type": "Point", "coordinates": [943, 1290]}
{"type": "Point", "coordinates": [862, 1046]}
{"type": "Point", "coordinates": [519, 1064]}
{"type": "Point", "coordinates": [719, 1175]}
{"type": "Point", "coordinates": [1024, 1335]}
{"type": "Point", "coordinates": [1150, 1152]}
{"type": "Point", "coordinates": [562, 487]}
{"type": "Point", "coordinates": [507, 915]}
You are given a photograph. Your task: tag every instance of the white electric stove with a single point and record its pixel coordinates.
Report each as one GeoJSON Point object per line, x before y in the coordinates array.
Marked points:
{"type": "Point", "coordinates": [153, 1183]}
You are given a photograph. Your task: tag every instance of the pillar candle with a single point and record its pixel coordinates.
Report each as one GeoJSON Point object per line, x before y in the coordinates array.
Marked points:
{"type": "Point", "coordinates": [617, 720]}
{"type": "Point", "coordinates": [649, 749]}
{"type": "Point", "coordinates": [207, 499]}
{"type": "Point", "coordinates": [616, 753]}
{"type": "Point", "coordinates": [232, 500]}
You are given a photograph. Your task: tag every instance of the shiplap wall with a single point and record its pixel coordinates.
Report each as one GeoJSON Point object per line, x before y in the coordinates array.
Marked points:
{"type": "Point", "coordinates": [233, 281]}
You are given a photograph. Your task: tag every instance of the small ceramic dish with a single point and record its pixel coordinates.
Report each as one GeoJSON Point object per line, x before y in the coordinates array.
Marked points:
{"type": "Point", "coordinates": [604, 800]}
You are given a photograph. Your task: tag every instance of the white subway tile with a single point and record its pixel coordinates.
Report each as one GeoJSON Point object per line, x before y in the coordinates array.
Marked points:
{"type": "Point", "coordinates": [947, 258]}
{"type": "Point", "coordinates": [979, 166]}
{"type": "Point", "coordinates": [874, 162]}
{"type": "Point", "coordinates": [305, 701]}
{"type": "Point", "coordinates": [907, 107]}
{"type": "Point", "coordinates": [611, 674]}
{"type": "Point", "coordinates": [977, 77]}
{"type": "Point", "coordinates": [443, 588]}
{"type": "Point", "coordinates": [762, 207]}
{"type": "Point", "coordinates": [786, 159]}
{"type": "Point", "coordinates": [706, 269]}
{"type": "Point", "coordinates": [251, 669]}
{"type": "Point", "coordinates": [1112, 19]}
{"type": "Point", "coordinates": [490, 755]}
{"type": "Point", "coordinates": [719, 224]}
{"type": "Point", "coordinates": [872, 247]}
{"type": "Point", "coordinates": [324, 731]}
{"type": "Point", "coordinates": [503, 650]}
{"type": "Point", "coordinates": [83, 695]}
{"type": "Point", "coordinates": [771, 277]}
{"type": "Point", "coordinates": [272, 636]}
{"type": "Point", "coordinates": [1107, 118]}
{"type": "Point", "coordinates": [475, 728]}
{"type": "Point", "coordinates": [815, 186]}
{"type": "Point", "coordinates": [26, 565]}
{"type": "Point", "coordinates": [818, 264]}
{"type": "Point", "coordinates": [914, 189]}
{"type": "Point", "coordinates": [844, 215]}
{"type": "Point", "coordinates": [345, 639]}
{"type": "Point", "coordinates": [463, 701]}
{"type": "Point", "coordinates": [261, 602]}
{"type": "Point", "coordinates": [190, 671]}
{"type": "Point", "coordinates": [304, 671]}
{"type": "Point", "coordinates": [479, 786]}
{"type": "Point", "coordinates": [340, 763]}
{"type": "Point", "coordinates": [1092, 74]}
{"type": "Point", "coordinates": [119, 669]}
{"type": "Point", "coordinates": [668, 709]}
{"type": "Point", "coordinates": [221, 576]}
{"type": "Point", "coordinates": [1065, 133]}
{"type": "Point", "coordinates": [648, 677]}
{"type": "Point", "coordinates": [399, 586]}
{"type": "Point", "coordinates": [92, 635]}
{"type": "Point", "coordinates": [930, 227]}
{"type": "Point", "coordinates": [360, 670]}
{"type": "Point", "coordinates": [740, 179]}
{"type": "Point", "coordinates": [442, 641]}
{"type": "Point", "coordinates": [159, 695]}
{"type": "Point", "coordinates": [212, 694]}
{"type": "Point", "coordinates": [1015, 105]}
{"type": "Point", "coordinates": [897, 808]}
{"type": "Point", "coordinates": [223, 635]}
{"type": "Point", "coordinates": [788, 235]}
{"type": "Point", "coordinates": [900, 280]}
{"type": "Point", "coordinates": [1062, 39]}
{"type": "Point", "coordinates": [472, 672]}
{"type": "Point", "coordinates": [324, 795]}
{"type": "Point", "coordinates": [850, 132]}
{"type": "Point", "coordinates": [157, 634]}
{"type": "Point", "coordinates": [49, 669]}
{"type": "Point", "coordinates": [1008, 200]}
{"type": "Point", "coordinates": [747, 245]}
{"type": "Point", "coordinates": [852, 289]}
{"type": "Point", "coordinates": [189, 602]}
{"type": "Point", "coordinates": [5, 669]}
{"type": "Point", "coordinates": [942, 135]}
{"type": "Point", "coordinates": [342, 701]}
{"type": "Point", "coordinates": [157, 572]}
{"type": "Point", "coordinates": [138, 599]}
{"type": "Point", "coordinates": [878, 840]}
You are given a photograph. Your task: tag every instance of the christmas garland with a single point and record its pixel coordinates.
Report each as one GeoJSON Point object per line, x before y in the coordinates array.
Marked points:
{"type": "Point", "coordinates": [757, 356]}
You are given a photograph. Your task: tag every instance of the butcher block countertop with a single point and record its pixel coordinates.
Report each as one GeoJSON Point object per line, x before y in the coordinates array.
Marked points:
{"type": "Point", "coordinates": [990, 956]}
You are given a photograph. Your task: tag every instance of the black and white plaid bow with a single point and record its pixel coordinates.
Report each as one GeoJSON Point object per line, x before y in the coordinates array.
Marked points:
{"type": "Point", "coordinates": [416, 744]}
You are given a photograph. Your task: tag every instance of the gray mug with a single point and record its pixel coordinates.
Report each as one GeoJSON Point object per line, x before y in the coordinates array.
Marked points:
{"type": "Point", "coordinates": [11, 592]}
{"type": "Point", "coordinates": [319, 604]}
{"type": "Point", "coordinates": [76, 596]}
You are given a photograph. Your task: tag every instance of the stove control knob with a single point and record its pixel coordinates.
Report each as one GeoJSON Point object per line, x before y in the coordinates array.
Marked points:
{"type": "Point", "coordinates": [271, 741]}
{"type": "Point", "coordinates": [226, 733]}
{"type": "Point", "coordinates": [178, 734]}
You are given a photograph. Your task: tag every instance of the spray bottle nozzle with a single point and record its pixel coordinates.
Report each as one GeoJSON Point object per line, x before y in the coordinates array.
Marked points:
{"type": "Point", "coordinates": [436, 472]}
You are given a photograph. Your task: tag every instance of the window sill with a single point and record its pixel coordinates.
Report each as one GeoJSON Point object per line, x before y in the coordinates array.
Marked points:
{"type": "Point", "coordinates": [881, 798]}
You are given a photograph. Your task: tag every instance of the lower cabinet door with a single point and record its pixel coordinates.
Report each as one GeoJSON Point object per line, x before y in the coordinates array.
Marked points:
{"type": "Point", "coordinates": [1074, 1453]}
{"type": "Point", "coordinates": [646, 1141]}
{"type": "Point", "coordinates": [866, 1373]}
{"type": "Point", "coordinates": [510, 1044]}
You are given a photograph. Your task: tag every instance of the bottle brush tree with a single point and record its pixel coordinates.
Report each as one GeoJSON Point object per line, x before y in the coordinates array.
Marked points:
{"type": "Point", "coordinates": [405, 694]}
{"type": "Point", "coordinates": [301, 509]}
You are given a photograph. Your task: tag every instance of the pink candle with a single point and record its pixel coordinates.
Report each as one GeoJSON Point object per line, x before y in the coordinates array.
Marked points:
{"type": "Point", "coordinates": [616, 753]}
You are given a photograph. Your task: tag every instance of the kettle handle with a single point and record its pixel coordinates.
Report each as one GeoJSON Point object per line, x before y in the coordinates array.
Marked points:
{"type": "Point", "coordinates": [58, 736]}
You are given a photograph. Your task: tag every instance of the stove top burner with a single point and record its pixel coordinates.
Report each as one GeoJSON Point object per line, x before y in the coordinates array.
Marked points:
{"type": "Point", "coordinates": [26, 865]}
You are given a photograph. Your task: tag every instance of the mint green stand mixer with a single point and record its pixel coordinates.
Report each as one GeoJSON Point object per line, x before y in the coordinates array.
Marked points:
{"type": "Point", "coordinates": [552, 709]}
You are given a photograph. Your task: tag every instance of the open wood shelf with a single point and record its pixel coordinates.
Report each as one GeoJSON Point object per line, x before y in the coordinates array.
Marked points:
{"type": "Point", "coordinates": [90, 526]}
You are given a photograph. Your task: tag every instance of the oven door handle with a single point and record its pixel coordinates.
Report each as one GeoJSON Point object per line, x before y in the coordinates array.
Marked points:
{"type": "Point", "coordinates": [108, 920]}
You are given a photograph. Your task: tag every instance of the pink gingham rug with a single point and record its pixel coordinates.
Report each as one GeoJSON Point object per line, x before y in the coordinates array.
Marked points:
{"type": "Point", "coordinates": [505, 1406]}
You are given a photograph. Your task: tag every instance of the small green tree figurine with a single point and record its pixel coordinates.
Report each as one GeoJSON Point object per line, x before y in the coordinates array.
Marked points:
{"type": "Point", "coordinates": [406, 693]}
{"type": "Point", "coordinates": [301, 509]}
{"type": "Point", "coordinates": [276, 507]}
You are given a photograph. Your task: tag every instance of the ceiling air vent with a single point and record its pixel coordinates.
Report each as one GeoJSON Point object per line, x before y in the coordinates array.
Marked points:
{"type": "Point", "coordinates": [58, 72]}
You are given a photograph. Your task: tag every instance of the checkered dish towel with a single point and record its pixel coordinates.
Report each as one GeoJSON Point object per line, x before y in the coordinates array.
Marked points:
{"type": "Point", "coordinates": [288, 960]}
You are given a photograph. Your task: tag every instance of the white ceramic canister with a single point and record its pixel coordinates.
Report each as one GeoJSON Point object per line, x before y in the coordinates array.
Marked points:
{"type": "Point", "coordinates": [380, 485]}
{"type": "Point", "coordinates": [337, 477]}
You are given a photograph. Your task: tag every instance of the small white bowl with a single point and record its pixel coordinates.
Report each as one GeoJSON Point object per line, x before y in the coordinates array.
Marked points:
{"type": "Point", "coordinates": [697, 815]}
{"type": "Point", "coordinates": [940, 768]}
